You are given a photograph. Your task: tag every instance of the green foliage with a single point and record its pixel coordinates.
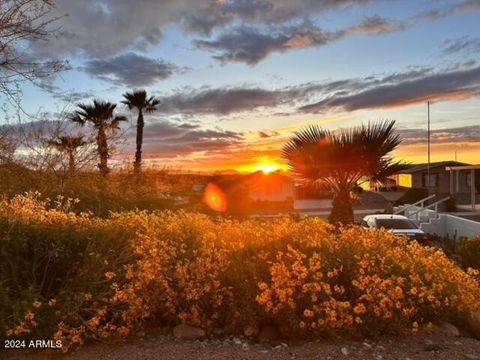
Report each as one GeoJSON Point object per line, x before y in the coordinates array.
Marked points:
{"type": "Point", "coordinates": [469, 250]}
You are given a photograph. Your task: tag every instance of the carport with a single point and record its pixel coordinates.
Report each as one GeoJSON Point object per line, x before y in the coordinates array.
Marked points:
{"type": "Point", "coordinates": [455, 183]}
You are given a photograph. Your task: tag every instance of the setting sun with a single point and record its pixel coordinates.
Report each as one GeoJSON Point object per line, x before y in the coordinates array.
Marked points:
{"type": "Point", "coordinates": [267, 168]}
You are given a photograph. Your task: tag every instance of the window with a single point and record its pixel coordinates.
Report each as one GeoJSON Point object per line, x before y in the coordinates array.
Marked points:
{"type": "Point", "coordinates": [430, 182]}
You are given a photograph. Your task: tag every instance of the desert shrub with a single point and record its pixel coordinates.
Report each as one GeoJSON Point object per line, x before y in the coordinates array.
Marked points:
{"type": "Point", "coordinates": [469, 250]}
{"type": "Point", "coordinates": [53, 265]}
{"type": "Point", "coordinates": [412, 195]}
{"type": "Point", "coordinates": [305, 277]}
{"type": "Point", "coordinates": [105, 277]}
{"type": "Point", "coordinates": [120, 191]}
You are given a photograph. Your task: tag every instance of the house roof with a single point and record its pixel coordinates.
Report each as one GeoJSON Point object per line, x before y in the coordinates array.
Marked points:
{"type": "Point", "coordinates": [423, 167]}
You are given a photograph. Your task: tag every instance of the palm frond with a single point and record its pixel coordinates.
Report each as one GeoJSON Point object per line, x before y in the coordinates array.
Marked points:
{"type": "Point", "coordinates": [340, 159]}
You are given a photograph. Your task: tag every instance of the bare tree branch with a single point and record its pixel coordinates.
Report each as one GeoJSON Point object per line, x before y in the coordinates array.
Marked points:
{"type": "Point", "coordinates": [21, 23]}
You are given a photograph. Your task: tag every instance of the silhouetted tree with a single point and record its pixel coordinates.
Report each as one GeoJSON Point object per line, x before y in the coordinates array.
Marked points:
{"type": "Point", "coordinates": [338, 161]}
{"type": "Point", "coordinates": [140, 101]}
{"type": "Point", "coordinates": [101, 115]}
{"type": "Point", "coordinates": [68, 145]}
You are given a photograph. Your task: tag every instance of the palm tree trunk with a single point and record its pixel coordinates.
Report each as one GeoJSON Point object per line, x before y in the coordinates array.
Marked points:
{"type": "Point", "coordinates": [342, 210]}
{"type": "Point", "coordinates": [138, 154]}
{"type": "Point", "coordinates": [102, 151]}
{"type": "Point", "coordinates": [71, 161]}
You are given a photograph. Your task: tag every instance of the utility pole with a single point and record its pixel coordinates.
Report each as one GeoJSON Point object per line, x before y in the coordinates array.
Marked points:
{"type": "Point", "coordinates": [428, 145]}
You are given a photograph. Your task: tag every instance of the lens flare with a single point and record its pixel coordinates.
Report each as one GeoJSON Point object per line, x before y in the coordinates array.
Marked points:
{"type": "Point", "coordinates": [215, 198]}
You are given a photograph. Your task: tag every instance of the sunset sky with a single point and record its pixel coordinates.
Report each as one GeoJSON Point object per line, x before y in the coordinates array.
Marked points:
{"type": "Point", "coordinates": [237, 77]}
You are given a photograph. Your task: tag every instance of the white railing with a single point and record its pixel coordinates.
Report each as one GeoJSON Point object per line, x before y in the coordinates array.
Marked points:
{"type": "Point", "coordinates": [434, 206]}
{"type": "Point", "coordinates": [414, 205]}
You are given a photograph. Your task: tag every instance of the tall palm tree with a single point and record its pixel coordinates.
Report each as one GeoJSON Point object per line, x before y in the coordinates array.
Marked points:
{"type": "Point", "coordinates": [101, 115]}
{"type": "Point", "coordinates": [338, 161]}
{"type": "Point", "coordinates": [68, 145]}
{"type": "Point", "coordinates": [140, 101]}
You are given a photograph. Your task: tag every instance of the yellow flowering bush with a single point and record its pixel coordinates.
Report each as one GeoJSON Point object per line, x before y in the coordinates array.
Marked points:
{"type": "Point", "coordinates": [76, 277]}
{"type": "Point", "coordinates": [366, 281]}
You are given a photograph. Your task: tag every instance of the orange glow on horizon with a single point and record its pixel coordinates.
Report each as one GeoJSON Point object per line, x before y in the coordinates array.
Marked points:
{"type": "Point", "coordinates": [267, 168]}
{"type": "Point", "coordinates": [215, 198]}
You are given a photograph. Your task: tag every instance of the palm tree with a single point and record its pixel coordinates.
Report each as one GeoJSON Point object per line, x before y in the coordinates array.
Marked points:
{"type": "Point", "coordinates": [338, 161]}
{"type": "Point", "coordinates": [100, 115]}
{"type": "Point", "coordinates": [68, 145]}
{"type": "Point", "coordinates": [140, 101]}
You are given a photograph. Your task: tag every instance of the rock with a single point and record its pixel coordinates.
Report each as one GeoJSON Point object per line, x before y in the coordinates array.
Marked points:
{"type": "Point", "coordinates": [344, 351]}
{"type": "Point", "coordinates": [269, 333]}
{"type": "Point", "coordinates": [218, 332]}
{"type": "Point", "coordinates": [474, 324]}
{"type": "Point", "coordinates": [367, 345]}
{"type": "Point", "coordinates": [432, 347]}
{"type": "Point", "coordinates": [166, 330]}
{"type": "Point", "coordinates": [472, 357]}
{"type": "Point", "coordinates": [250, 331]}
{"type": "Point", "coordinates": [187, 332]}
{"type": "Point", "coordinates": [448, 330]}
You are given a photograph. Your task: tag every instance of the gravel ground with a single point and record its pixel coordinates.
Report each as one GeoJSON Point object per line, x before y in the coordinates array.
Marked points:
{"type": "Point", "coordinates": [435, 347]}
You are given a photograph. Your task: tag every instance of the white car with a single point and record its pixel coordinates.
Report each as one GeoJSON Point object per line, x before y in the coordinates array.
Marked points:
{"type": "Point", "coordinates": [397, 224]}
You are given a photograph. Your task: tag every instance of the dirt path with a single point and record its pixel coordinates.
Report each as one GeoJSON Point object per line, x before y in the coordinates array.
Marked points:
{"type": "Point", "coordinates": [434, 347]}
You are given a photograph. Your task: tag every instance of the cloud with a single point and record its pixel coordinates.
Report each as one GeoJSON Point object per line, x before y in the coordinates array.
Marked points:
{"type": "Point", "coordinates": [100, 28]}
{"type": "Point", "coordinates": [163, 138]}
{"type": "Point", "coordinates": [460, 7]}
{"type": "Point", "coordinates": [74, 96]}
{"type": "Point", "coordinates": [455, 134]}
{"type": "Point", "coordinates": [377, 25]}
{"type": "Point", "coordinates": [251, 45]}
{"type": "Point", "coordinates": [465, 45]}
{"type": "Point", "coordinates": [453, 85]}
{"type": "Point", "coordinates": [267, 134]}
{"type": "Point", "coordinates": [221, 101]}
{"type": "Point", "coordinates": [130, 69]}
{"type": "Point", "coordinates": [108, 27]}
{"type": "Point", "coordinates": [236, 99]}
{"type": "Point", "coordinates": [220, 13]}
